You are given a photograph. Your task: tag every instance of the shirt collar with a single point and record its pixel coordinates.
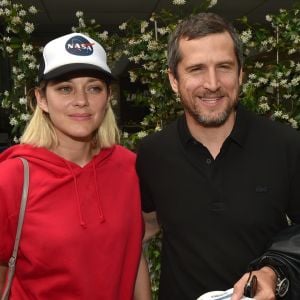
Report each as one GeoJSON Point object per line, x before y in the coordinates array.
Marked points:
{"type": "Point", "coordinates": [238, 134]}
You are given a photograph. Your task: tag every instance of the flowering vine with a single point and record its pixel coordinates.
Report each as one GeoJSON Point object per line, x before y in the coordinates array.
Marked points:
{"type": "Point", "coordinates": [16, 46]}
{"type": "Point", "coordinates": [272, 70]}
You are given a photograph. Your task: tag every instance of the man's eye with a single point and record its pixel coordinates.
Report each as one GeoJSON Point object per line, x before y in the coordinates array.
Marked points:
{"type": "Point", "coordinates": [225, 67]}
{"type": "Point", "coordinates": [197, 69]}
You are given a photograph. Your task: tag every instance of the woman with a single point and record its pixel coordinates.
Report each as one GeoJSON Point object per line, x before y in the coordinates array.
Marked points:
{"type": "Point", "coordinates": [82, 232]}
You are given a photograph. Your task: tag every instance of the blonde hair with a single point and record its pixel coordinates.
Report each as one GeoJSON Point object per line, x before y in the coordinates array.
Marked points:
{"type": "Point", "coordinates": [40, 131]}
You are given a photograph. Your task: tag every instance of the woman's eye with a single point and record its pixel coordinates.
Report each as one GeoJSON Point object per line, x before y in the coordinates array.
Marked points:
{"type": "Point", "coordinates": [95, 89]}
{"type": "Point", "coordinates": [65, 89]}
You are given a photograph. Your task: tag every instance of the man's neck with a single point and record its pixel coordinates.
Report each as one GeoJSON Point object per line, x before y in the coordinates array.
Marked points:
{"type": "Point", "coordinates": [211, 137]}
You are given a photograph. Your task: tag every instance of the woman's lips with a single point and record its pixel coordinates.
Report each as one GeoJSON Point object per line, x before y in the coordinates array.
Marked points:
{"type": "Point", "coordinates": [80, 117]}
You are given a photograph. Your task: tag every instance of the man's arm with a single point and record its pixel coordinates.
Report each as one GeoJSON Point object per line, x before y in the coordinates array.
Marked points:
{"type": "Point", "coordinates": [282, 263]}
{"type": "Point", "coordinates": [151, 225]}
{"type": "Point", "coordinates": [266, 282]}
{"type": "Point", "coordinates": [142, 290]}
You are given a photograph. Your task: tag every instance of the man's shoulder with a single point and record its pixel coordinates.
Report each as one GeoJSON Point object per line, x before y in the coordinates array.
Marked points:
{"type": "Point", "coordinates": [266, 128]}
{"type": "Point", "coordinates": [276, 130]}
{"type": "Point", "coordinates": [161, 138]}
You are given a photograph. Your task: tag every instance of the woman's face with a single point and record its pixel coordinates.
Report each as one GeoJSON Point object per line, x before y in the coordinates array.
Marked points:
{"type": "Point", "coordinates": [76, 106]}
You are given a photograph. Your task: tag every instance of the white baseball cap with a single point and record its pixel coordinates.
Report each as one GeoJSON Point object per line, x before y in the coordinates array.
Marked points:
{"type": "Point", "coordinates": [73, 52]}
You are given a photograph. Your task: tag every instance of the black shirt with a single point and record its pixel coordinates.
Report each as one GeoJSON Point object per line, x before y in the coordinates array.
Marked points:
{"type": "Point", "coordinates": [218, 215]}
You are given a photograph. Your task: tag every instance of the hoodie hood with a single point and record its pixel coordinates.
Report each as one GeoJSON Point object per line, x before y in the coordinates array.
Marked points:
{"type": "Point", "coordinates": [55, 172]}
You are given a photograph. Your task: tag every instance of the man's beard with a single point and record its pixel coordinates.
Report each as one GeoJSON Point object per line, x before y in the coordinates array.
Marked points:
{"type": "Point", "coordinates": [211, 119]}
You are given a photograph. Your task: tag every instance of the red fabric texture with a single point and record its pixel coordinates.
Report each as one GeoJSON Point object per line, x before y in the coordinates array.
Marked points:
{"type": "Point", "coordinates": [82, 231]}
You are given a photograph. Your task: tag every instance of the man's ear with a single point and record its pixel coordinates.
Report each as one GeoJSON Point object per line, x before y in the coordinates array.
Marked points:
{"type": "Point", "coordinates": [173, 81]}
{"type": "Point", "coordinates": [241, 77]}
{"type": "Point", "coordinates": [41, 100]}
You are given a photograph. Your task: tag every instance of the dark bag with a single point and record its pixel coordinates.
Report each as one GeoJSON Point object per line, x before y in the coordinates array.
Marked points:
{"type": "Point", "coordinates": [285, 253]}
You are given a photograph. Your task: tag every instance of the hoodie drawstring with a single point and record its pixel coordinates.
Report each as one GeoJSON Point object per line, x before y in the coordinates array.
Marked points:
{"type": "Point", "coordinates": [100, 212]}
{"type": "Point", "coordinates": [98, 194]}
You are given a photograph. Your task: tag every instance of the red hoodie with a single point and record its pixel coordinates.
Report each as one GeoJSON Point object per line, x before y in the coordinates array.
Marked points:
{"type": "Point", "coordinates": [82, 231]}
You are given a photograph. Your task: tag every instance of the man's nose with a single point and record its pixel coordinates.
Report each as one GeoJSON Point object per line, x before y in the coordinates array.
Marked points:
{"type": "Point", "coordinates": [211, 80]}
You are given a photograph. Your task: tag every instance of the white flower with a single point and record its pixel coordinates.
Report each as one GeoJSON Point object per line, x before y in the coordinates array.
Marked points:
{"type": "Point", "coordinates": [144, 123]}
{"type": "Point", "coordinates": [15, 20]}
{"type": "Point", "coordinates": [285, 116]}
{"type": "Point", "coordinates": [23, 101]}
{"type": "Point", "coordinates": [21, 76]}
{"type": "Point", "coordinates": [152, 108]}
{"type": "Point", "coordinates": [295, 81]}
{"type": "Point", "coordinates": [212, 3]}
{"type": "Point", "coordinates": [133, 76]}
{"type": "Point", "coordinates": [152, 45]}
{"type": "Point", "coordinates": [269, 18]}
{"type": "Point", "coordinates": [246, 36]}
{"type": "Point", "coordinates": [6, 93]}
{"type": "Point", "coordinates": [4, 3]}
{"type": "Point", "coordinates": [287, 96]}
{"type": "Point", "coordinates": [93, 21]}
{"type": "Point", "coordinates": [32, 66]}
{"type": "Point", "coordinates": [162, 30]}
{"type": "Point", "coordinates": [29, 27]}
{"type": "Point", "coordinates": [104, 35]}
{"type": "Point", "coordinates": [262, 80]}
{"type": "Point", "coordinates": [252, 76]}
{"type": "Point", "coordinates": [22, 13]}
{"type": "Point", "coordinates": [258, 65]}
{"type": "Point", "coordinates": [283, 82]}
{"type": "Point", "coordinates": [114, 102]}
{"type": "Point", "coordinates": [144, 25]}
{"type": "Point", "coordinates": [32, 10]}
{"type": "Point", "coordinates": [153, 75]}
{"type": "Point", "coordinates": [293, 123]}
{"type": "Point", "coordinates": [274, 84]}
{"type": "Point", "coordinates": [123, 26]}
{"type": "Point", "coordinates": [25, 117]}
{"type": "Point", "coordinates": [27, 48]}
{"type": "Point", "coordinates": [13, 121]}
{"type": "Point", "coordinates": [178, 2]}
{"type": "Point", "coordinates": [277, 113]}
{"type": "Point", "coordinates": [79, 14]}
{"type": "Point", "coordinates": [157, 128]}
{"type": "Point", "coordinates": [16, 140]}
{"type": "Point", "coordinates": [152, 91]}
{"type": "Point", "coordinates": [141, 134]}
{"type": "Point", "coordinates": [146, 37]}
{"type": "Point", "coordinates": [264, 107]}
{"type": "Point", "coordinates": [291, 51]}
{"type": "Point", "coordinates": [125, 134]}
{"type": "Point", "coordinates": [81, 22]}
{"type": "Point", "coordinates": [9, 50]}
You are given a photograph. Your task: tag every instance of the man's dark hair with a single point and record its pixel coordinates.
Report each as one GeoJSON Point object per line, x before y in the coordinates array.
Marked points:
{"type": "Point", "coordinates": [197, 26]}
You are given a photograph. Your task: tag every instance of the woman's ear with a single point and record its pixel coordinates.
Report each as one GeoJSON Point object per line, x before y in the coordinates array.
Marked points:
{"type": "Point", "coordinates": [41, 99]}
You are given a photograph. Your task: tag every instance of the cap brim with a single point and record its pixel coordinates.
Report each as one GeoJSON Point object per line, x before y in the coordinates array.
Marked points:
{"type": "Point", "coordinates": [58, 72]}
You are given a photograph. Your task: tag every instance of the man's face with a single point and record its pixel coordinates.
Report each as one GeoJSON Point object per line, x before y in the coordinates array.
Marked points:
{"type": "Point", "coordinates": [208, 79]}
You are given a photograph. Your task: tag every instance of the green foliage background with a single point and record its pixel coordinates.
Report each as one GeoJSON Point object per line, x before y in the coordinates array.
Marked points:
{"type": "Point", "coordinates": [271, 80]}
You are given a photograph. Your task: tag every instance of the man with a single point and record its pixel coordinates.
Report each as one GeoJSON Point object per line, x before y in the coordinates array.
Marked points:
{"type": "Point", "coordinates": [219, 179]}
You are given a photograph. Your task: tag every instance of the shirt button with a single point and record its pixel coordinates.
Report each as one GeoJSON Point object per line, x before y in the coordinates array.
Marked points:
{"type": "Point", "coordinates": [208, 161]}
